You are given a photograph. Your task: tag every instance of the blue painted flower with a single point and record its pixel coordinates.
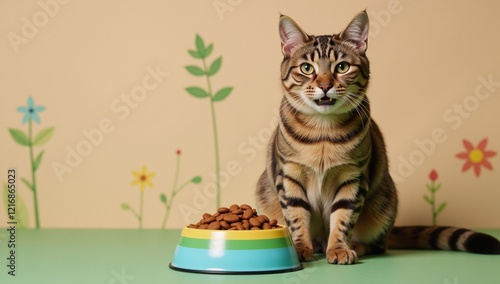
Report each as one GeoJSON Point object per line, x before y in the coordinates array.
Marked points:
{"type": "Point", "coordinates": [31, 111]}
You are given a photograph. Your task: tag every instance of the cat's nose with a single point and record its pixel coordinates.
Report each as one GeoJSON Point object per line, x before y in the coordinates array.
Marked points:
{"type": "Point", "coordinates": [325, 87]}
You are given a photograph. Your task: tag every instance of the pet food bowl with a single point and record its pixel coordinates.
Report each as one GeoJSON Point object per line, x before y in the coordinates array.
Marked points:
{"type": "Point", "coordinates": [235, 252]}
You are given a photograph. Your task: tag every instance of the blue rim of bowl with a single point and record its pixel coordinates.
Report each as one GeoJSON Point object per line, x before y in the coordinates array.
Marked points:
{"type": "Point", "coordinates": [290, 269]}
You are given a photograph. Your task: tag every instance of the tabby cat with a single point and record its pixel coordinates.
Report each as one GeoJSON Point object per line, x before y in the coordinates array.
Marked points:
{"type": "Point", "coordinates": [327, 171]}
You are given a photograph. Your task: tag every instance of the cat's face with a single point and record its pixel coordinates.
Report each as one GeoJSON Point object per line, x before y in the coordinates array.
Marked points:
{"type": "Point", "coordinates": [325, 74]}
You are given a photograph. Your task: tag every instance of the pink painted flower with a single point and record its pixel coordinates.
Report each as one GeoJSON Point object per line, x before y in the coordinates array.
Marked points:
{"type": "Point", "coordinates": [476, 157]}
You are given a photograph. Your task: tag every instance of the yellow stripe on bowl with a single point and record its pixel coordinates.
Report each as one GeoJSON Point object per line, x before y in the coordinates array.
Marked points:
{"type": "Point", "coordinates": [235, 235]}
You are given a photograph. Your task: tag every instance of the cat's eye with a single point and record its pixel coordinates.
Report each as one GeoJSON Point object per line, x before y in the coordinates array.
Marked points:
{"type": "Point", "coordinates": [342, 67]}
{"type": "Point", "coordinates": [306, 68]}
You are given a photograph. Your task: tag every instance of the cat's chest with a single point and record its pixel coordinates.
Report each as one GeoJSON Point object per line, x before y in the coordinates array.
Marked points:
{"type": "Point", "coordinates": [322, 156]}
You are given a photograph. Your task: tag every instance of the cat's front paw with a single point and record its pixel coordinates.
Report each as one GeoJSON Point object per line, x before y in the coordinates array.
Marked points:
{"type": "Point", "coordinates": [341, 256]}
{"type": "Point", "coordinates": [304, 253]}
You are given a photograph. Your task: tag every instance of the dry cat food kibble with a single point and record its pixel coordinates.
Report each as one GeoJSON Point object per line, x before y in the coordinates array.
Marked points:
{"type": "Point", "coordinates": [235, 217]}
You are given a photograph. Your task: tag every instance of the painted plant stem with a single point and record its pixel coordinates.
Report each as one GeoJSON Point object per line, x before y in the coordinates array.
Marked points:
{"type": "Point", "coordinates": [170, 201]}
{"type": "Point", "coordinates": [172, 193]}
{"type": "Point", "coordinates": [433, 187]}
{"type": "Point", "coordinates": [216, 136]}
{"type": "Point", "coordinates": [202, 51]}
{"type": "Point", "coordinates": [33, 175]}
{"type": "Point", "coordinates": [31, 140]}
{"type": "Point", "coordinates": [433, 205]}
{"type": "Point", "coordinates": [136, 215]}
{"type": "Point", "coordinates": [141, 206]}
{"type": "Point", "coordinates": [175, 189]}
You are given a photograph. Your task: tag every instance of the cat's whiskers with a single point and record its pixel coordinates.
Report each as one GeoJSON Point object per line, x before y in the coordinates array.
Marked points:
{"type": "Point", "coordinates": [349, 100]}
{"type": "Point", "coordinates": [358, 105]}
{"type": "Point", "coordinates": [363, 108]}
{"type": "Point", "coordinates": [360, 108]}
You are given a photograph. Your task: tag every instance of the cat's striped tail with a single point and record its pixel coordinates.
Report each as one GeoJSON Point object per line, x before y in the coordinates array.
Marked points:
{"type": "Point", "coordinates": [442, 238]}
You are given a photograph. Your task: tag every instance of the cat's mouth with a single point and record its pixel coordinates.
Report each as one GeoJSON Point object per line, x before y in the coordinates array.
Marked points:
{"type": "Point", "coordinates": [325, 101]}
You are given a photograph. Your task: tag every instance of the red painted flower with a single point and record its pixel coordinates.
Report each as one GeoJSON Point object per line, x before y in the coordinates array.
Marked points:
{"type": "Point", "coordinates": [433, 175]}
{"type": "Point", "coordinates": [178, 152]}
{"type": "Point", "coordinates": [476, 156]}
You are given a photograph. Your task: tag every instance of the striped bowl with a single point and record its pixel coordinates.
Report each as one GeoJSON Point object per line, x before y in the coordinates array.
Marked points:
{"type": "Point", "coordinates": [235, 252]}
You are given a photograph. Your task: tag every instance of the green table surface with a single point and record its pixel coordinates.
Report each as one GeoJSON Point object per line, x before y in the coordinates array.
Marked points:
{"type": "Point", "coordinates": [142, 256]}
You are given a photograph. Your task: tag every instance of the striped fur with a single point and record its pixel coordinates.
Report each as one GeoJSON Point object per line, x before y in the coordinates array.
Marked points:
{"type": "Point", "coordinates": [327, 173]}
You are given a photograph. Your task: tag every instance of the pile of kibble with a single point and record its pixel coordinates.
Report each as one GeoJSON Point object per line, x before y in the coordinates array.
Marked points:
{"type": "Point", "coordinates": [235, 217]}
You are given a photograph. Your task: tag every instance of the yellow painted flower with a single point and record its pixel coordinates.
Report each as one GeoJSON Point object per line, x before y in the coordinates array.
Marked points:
{"type": "Point", "coordinates": [143, 178]}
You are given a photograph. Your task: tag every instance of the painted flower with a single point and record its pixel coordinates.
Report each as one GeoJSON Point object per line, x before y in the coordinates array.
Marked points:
{"type": "Point", "coordinates": [476, 157]}
{"type": "Point", "coordinates": [31, 111]}
{"type": "Point", "coordinates": [433, 175]}
{"type": "Point", "coordinates": [143, 178]}
{"type": "Point", "coordinates": [178, 152]}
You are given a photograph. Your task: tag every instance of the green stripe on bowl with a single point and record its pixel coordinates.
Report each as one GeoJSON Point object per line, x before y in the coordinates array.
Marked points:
{"type": "Point", "coordinates": [235, 244]}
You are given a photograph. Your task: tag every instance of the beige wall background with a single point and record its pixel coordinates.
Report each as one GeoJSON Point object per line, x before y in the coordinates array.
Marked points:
{"type": "Point", "coordinates": [435, 81]}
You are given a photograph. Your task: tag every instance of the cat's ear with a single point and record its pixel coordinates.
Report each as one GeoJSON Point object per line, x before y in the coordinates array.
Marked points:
{"type": "Point", "coordinates": [291, 35]}
{"type": "Point", "coordinates": [357, 32]}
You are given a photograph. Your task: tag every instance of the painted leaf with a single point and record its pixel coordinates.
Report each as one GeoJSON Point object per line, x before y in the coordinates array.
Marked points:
{"type": "Point", "coordinates": [222, 94]}
{"type": "Point", "coordinates": [163, 198]}
{"type": "Point", "coordinates": [27, 183]}
{"type": "Point", "coordinates": [195, 70]}
{"type": "Point", "coordinates": [19, 136]}
{"type": "Point", "coordinates": [438, 186]}
{"type": "Point", "coordinates": [43, 136]}
{"type": "Point", "coordinates": [209, 49]}
{"type": "Point", "coordinates": [429, 187]}
{"type": "Point", "coordinates": [426, 198]}
{"type": "Point", "coordinates": [197, 92]}
{"type": "Point", "coordinates": [196, 179]}
{"type": "Point", "coordinates": [125, 206]}
{"type": "Point", "coordinates": [194, 54]}
{"type": "Point", "coordinates": [215, 66]}
{"type": "Point", "coordinates": [21, 214]}
{"type": "Point", "coordinates": [441, 208]}
{"type": "Point", "coordinates": [38, 160]}
{"type": "Point", "coordinates": [200, 46]}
